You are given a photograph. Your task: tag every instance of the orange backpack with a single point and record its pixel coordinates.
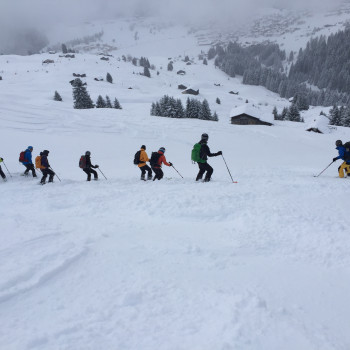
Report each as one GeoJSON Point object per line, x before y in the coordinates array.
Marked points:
{"type": "Point", "coordinates": [38, 163]}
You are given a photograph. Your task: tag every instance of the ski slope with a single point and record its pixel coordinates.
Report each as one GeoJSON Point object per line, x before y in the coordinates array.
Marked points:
{"type": "Point", "coordinates": [172, 264]}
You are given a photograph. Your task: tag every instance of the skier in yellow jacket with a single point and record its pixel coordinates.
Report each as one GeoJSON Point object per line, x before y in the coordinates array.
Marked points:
{"type": "Point", "coordinates": [143, 166]}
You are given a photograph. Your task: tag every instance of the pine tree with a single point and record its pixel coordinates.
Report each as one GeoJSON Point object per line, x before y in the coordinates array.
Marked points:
{"type": "Point", "coordinates": [116, 104]}
{"type": "Point", "coordinates": [275, 114]}
{"type": "Point", "coordinates": [64, 49]}
{"type": "Point", "coordinates": [334, 116]}
{"type": "Point", "coordinates": [293, 113]}
{"type": "Point", "coordinates": [153, 109]}
{"type": "Point", "coordinates": [108, 102]}
{"type": "Point", "coordinates": [109, 78]}
{"type": "Point", "coordinates": [170, 67]}
{"type": "Point", "coordinates": [57, 97]}
{"type": "Point", "coordinates": [146, 72]}
{"type": "Point", "coordinates": [205, 111]}
{"type": "Point", "coordinates": [284, 113]}
{"type": "Point", "coordinates": [100, 103]}
{"type": "Point", "coordinates": [180, 109]}
{"type": "Point", "coordinates": [81, 97]}
{"type": "Point", "coordinates": [218, 101]}
{"type": "Point", "coordinates": [215, 117]}
{"type": "Point", "coordinates": [205, 62]}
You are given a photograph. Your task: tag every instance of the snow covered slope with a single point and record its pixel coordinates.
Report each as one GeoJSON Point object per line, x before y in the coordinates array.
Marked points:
{"type": "Point", "coordinates": [175, 264]}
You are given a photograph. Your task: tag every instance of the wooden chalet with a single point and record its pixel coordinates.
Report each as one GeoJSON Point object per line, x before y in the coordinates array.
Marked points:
{"type": "Point", "coordinates": [247, 115]}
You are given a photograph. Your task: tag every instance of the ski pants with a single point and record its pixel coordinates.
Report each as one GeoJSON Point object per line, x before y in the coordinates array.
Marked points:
{"type": "Point", "coordinates": [345, 166]}
{"type": "Point", "coordinates": [29, 167]}
{"type": "Point", "coordinates": [204, 167]}
{"type": "Point", "coordinates": [90, 171]}
{"type": "Point", "coordinates": [145, 169]}
{"type": "Point", "coordinates": [2, 173]}
{"type": "Point", "coordinates": [45, 173]}
{"type": "Point", "coordinates": [158, 173]}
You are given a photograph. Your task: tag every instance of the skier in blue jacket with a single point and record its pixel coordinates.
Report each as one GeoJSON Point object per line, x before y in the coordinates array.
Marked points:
{"type": "Point", "coordinates": [345, 156]}
{"type": "Point", "coordinates": [28, 163]}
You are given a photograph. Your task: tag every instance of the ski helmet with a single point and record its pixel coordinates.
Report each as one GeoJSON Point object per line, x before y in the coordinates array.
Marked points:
{"type": "Point", "coordinates": [143, 147]}
{"type": "Point", "coordinates": [46, 152]}
{"type": "Point", "coordinates": [162, 149]}
{"type": "Point", "coordinates": [30, 148]}
{"type": "Point", "coordinates": [338, 143]}
{"type": "Point", "coordinates": [87, 153]}
{"type": "Point", "coordinates": [205, 137]}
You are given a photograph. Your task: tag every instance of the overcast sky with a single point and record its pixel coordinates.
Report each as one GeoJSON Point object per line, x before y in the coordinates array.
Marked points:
{"type": "Point", "coordinates": [22, 11]}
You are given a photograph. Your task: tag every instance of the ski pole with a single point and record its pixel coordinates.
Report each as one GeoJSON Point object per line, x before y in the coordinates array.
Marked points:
{"type": "Point", "coordinates": [324, 170]}
{"type": "Point", "coordinates": [177, 171]}
{"type": "Point", "coordinates": [228, 170]}
{"type": "Point", "coordinates": [56, 174]}
{"type": "Point", "coordinates": [7, 169]}
{"type": "Point", "coordinates": [102, 173]}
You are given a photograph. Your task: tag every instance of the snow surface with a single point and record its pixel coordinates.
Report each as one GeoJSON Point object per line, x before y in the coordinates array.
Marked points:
{"type": "Point", "coordinates": [174, 264]}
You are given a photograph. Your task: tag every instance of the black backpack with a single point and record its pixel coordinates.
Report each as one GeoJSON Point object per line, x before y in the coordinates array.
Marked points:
{"type": "Point", "coordinates": [137, 158]}
{"type": "Point", "coordinates": [347, 151]}
{"type": "Point", "coordinates": [154, 158]}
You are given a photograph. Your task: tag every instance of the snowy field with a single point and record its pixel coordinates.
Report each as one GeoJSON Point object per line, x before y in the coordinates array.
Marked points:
{"type": "Point", "coordinates": [176, 265]}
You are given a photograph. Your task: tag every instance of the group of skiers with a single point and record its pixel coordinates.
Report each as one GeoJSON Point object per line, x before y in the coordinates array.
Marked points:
{"type": "Point", "coordinates": [200, 154]}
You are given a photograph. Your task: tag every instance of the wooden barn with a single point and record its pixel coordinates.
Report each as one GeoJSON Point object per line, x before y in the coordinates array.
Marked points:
{"type": "Point", "coordinates": [248, 115]}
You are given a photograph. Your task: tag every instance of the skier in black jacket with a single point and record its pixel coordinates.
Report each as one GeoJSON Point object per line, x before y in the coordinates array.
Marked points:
{"type": "Point", "coordinates": [88, 167]}
{"type": "Point", "coordinates": [46, 170]}
{"type": "Point", "coordinates": [204, 154]}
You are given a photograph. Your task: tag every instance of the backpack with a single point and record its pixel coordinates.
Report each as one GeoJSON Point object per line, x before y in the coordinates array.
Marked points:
{"type": "Point", "coordinates": [82, 162]}
{"type": "Point", "coordinates": [196, 153]}
{"type": "Point", "coordinates": [137, 158]}
{"type": "Point", "coordinates": [154, 159]}
{"type": "Point", "coordinates": [347, 151]}
{"type": "Point", "coordinates": [38, 163]}
{"type": "Point", "coordinates": [22, 157]}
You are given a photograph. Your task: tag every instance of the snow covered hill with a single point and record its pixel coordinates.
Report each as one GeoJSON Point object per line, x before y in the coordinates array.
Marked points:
{"type": "Point", "coordinates": [172, 264]}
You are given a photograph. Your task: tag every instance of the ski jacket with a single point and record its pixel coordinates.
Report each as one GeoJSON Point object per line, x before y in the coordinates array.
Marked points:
{"type": "Point", "coordinates": [45, 161]}
{"type": "Point", "coordinates": [143, 158]}
{"type": "Point", "coordinates": [27, 157]}
{"type": "Point", "coordinates": [205, 151]}
{"type": "Point", "coordinates": [341, 151]}
{"type": "Point", "coordinates": [88, 163]}
{"type": "Point", "coordinates": [161, 160]}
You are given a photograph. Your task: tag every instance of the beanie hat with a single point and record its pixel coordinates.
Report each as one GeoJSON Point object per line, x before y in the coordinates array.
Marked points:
{"type": "Point", "coordinates": [87, 153]}
{"type": "Point", "coordinates": [338, 143]}
{"type": "Point", "coordinates": [205, 137]}
{"type": "Point", "coordinates": [30, 147]}
{"type": "Point", "coordinates": [162, 149]}
{"type": "Point", "coordinates": [46, 152]}
{"type": "Point", "coordinates": [143, 147]}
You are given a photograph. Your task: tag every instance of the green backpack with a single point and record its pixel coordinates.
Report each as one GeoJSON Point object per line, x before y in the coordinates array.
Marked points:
{"type": "Point", "coordinates": [195, 155]}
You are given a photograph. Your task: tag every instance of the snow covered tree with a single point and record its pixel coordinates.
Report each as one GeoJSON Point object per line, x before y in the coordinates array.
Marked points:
{"type": "Point", "coordinates": [108, 102]}
{"type": "Point", "coordinates": [215, 117]}
{"type": "Point", "coordinates": [81, 97]}
{"type": "Point", "coordinates": [284, 113]}
{"type": "Point", "coordinates": [187, 59]}
{"type": "Point", "coordinates": [293, 113]}
{"type": "Point", "coordinates": [116, 104]}
{"type": "Point", "coordinates": [205, 111]}
{"type": "Point", "coordinates": [109, 78]}
{"type": "Point", "coordinates": [170, 67]}
{"type": "Point", "coordinates": [275, 114]}
{"type": "Point", "coordinates": [211, 53]}
{"type": "Point", "coordinates": [334, 116]}
{"type": "Point", "coordinates": [64, 49]}
{"type": "Point", "coordinates": [100, 103]}
{"type": "Point", "coordinates": [57, 97]}
{"type": "Point", "coordinates": [146, 72]}
{"type": "Point", "coordinates": [218, 101]}
{"type": "Point", "coordinates": [205, 61]}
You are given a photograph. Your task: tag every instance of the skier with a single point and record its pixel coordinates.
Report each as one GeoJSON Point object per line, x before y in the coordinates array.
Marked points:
{"type": "Point", "coordinates": [204, 153]}
{"type": "Point", "coordinates": [345, 156]}
{"type": "Point", "coordinates": [143, 166]}
{"type": "Point", "coordinates": [156, 162]}
{"type": "Point", "coordinates": [1, 172]}
{"type": "Point", "coordinates": [27, 162]}
{"type": "Point", "coordinates": [46, 168]}
{"type": "Point", "coordinates": [88, 167]}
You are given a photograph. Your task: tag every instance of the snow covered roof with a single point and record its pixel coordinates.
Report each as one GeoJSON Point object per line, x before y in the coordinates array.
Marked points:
{"type": "Point", "coordinates": [253, 111]}
{"type": "Point", "coordinates": [319, 123]}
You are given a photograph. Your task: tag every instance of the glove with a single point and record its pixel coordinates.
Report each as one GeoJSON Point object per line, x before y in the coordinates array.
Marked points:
{"type": "Point", "coordinates": [219, 153]}
{"type": "Point", "coordinates": [1, 159]}
{"type": "Point", "coordinates": [96, 166]}
{"type": "Point", "coordinates": [171, 164]}
{"type": "Point", "coordinates": [334, 159]}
